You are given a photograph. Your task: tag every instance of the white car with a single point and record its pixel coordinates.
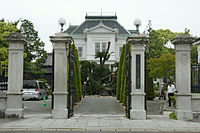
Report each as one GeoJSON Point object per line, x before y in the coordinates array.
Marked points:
{"type": "Point", "coordinates": [34, 89]}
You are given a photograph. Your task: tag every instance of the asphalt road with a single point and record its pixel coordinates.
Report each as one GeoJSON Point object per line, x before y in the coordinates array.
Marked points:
{"type": "Point", "coordinates": [36, 107]}
{"type": "Point", "coordinates": [88, 105]}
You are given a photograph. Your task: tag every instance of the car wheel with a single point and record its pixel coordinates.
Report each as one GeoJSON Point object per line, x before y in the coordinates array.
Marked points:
{"type": "Point", "coordinates": [39, 98]}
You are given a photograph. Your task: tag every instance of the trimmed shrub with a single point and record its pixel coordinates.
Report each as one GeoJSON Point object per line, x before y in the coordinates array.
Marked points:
{"type": "Point", "coordinates": [123, 75]}
{"type": "Point", "coordinates": [119, 72]}
{"type": "Point", "coordinates": [150, 92]}
{"type": "Point", "coordinates": [77, 76]}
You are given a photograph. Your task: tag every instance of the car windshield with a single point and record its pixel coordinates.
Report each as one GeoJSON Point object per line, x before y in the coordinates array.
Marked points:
{"type": "Point", "coordinates": [29, 84]}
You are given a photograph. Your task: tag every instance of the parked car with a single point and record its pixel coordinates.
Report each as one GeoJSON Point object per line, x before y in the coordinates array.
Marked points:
{"type": "Point", "coordinates": [34, 89]}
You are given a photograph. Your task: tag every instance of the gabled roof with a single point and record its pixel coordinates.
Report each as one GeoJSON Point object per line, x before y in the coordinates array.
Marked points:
{"type": "Point", "coordinates": [71, 28]}
{"type": "Point", "coordinates": [101, 25]}
{"type": "Point", "coordinates": [92, 21]}
{"type": "Point", "coordinates": [133, 31]}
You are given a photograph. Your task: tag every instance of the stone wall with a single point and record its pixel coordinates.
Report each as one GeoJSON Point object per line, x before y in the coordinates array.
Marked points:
{"type": "Point", "coordinates": [3, 100]}
{"type": "Point", "coordinates": [196, 106]}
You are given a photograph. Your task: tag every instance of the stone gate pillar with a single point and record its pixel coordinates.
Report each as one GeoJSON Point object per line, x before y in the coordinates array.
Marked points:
{"type": "Point", "coordinates": [138, 42]}
{"type": "Point", "coordinates": [183, 76]}
{"type": "Point", "coordinates": [61, 43]}
{"type": "Point", "coordinates": [15, 75]}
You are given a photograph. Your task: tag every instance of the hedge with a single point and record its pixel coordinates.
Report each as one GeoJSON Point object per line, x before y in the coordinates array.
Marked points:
{"type": "Point", "coordinates": [121, 76]}
{"type": "Point", "coordinates": [77, 76]}
{"type": "Point", "coordinates": [150, 92]}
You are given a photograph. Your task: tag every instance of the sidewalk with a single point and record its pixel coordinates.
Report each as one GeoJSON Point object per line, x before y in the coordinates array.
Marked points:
{"type": "Point", "coordinates": [98, 123]}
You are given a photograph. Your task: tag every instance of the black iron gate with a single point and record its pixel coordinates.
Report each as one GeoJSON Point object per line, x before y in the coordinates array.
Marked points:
{"type": "Point", "coordinates": [195, 78]}
{"type": "Point", "coordinates": [3, 79]}
{"type": "Point", "coordinates": [71, 83]}
{"type": "Point", "coordinates": [128, 81]}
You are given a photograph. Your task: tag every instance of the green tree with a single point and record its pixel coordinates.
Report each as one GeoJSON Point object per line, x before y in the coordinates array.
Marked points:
{"type": "Point", "coordinates": [162, 67]}
{"type": "Point", "coordinates": [36, 55]}
{"type": "Point", "coordinates": [5, 29]}
{"type": "Point", "coordinates": [194, 54]}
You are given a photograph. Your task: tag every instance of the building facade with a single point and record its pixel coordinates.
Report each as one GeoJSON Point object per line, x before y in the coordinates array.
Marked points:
{"type": "Point", "coordinates": [93, 35]}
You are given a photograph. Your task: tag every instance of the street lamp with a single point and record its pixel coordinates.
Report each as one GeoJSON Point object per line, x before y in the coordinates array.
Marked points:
{"type": "Point", "coordinates": [137, 23]}
{"type": "Point", "coordinates": [61, 22]}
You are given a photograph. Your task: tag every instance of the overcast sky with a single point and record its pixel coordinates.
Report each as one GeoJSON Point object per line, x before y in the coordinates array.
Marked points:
{"type": "Point", "coordinates": [175, 15]}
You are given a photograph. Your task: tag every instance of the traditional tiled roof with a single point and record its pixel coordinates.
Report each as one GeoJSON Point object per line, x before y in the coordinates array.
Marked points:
{"type": "Point", "coordinates": [71, 29]}
{"type": "Point", "coordinates": [92, 21]}
{"type": "Point", "coordinates": [133, 31]}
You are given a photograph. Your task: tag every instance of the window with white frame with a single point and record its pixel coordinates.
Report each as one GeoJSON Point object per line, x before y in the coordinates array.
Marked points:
{"type": "Point", "coordinates": [80, 51]}
{"type": "Point", "coordinates": [100, 47]}
{"type": "Point", "coordinates": [103, 48]}
{"type": "Point", "coordinates": [97, 47]}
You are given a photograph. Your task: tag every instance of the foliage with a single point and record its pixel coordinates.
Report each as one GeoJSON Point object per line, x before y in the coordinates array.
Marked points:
{"type": "Point", "coordinates": [194, 54]}
{"type": "Point", "coordinates": [150, 89]}
{"type": "Point", "coordinates": [77, 76]}
{"type": "Point", "coordinates": [36, 55]}
{"type": "Point", "coordinates": [121, 76]}
{"type": "Point", "coordinates": [158, 38]}
{"type": "Point", "coordinates": [97, 77]}
{"type": "Point", "coordinates": [162, 67]}
{"type": "Point", "coordinates": [119, 72]}
{"type": "Point", "coordinates": [5, 29]}
{"type": "Point", "coordinates": [77, 80]}
{"type": "Point", "coordinates": [172, 115]}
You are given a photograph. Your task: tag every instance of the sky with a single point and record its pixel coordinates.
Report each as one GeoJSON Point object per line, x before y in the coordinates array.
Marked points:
{"type": "Point", "coordinates": [175, 15]}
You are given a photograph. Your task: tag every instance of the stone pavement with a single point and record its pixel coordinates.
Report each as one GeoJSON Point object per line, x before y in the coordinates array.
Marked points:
{"type": "Point", "coordinates": [112, 119]}
{"type": "Point", "coordinates": [98, 123]}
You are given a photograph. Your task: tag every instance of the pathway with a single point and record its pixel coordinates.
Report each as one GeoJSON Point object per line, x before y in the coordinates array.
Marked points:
{"type": "Point", "coordinates": [99, 105]}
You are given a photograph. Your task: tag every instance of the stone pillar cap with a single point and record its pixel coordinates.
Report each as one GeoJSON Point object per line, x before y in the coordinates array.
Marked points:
{"type": "Point", "coordinates": [14, 37]}
{"type": "Point", "coordinates": [182, 39]}
{"type": "Point", "coordinates": [61, 37]}
{"type": "Point", "coordinates": [137, 39]}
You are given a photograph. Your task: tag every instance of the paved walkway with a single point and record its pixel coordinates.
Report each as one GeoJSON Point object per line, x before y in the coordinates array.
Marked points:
{"type": "Point", "coordinates": [99, 105]}
{"type": "Point", "coordinates": [98, 122]}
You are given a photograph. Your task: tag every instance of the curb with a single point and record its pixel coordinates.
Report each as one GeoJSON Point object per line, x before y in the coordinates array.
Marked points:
{"type": "Point", "coordinates": [100, 130]}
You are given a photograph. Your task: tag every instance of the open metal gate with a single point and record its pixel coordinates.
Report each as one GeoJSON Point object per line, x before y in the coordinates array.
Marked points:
{"type": "Point", "coordinates": [128, 82]}
{"type": "Point", "coordinates": [71, 83]}
{"type": "Point", "coordinates": [3, 79]}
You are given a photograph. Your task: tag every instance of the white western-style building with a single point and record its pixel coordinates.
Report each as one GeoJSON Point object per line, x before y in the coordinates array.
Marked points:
{"type": "Point", "coordinates": [93, 35]}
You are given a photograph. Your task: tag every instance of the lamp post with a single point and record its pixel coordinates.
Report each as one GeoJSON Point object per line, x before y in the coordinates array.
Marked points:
{"type": "Point", "coordinates": [61, 22]}
{"type": "Point", "coordinates": [137, 23]}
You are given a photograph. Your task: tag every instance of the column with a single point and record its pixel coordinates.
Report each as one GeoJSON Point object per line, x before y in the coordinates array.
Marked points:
{"type": "Point", "coordinates": [183, 76]}
{"type": "Point", "coordinates": [15, 75]}
{"type": "Point", "coordinates": [61, 43]}
{"type": "Point", "coordinates": [138, 42]}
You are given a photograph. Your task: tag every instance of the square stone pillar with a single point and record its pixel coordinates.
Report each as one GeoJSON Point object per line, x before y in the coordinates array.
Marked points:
{"type": "Point", "coordinates": [183, 76]}
{"type": "Point", "coordinates": [61, 43]}
{"type": "Point", "coordinates": [138, 111]}
{"type": "Point", "coordinates": [15, 75]}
